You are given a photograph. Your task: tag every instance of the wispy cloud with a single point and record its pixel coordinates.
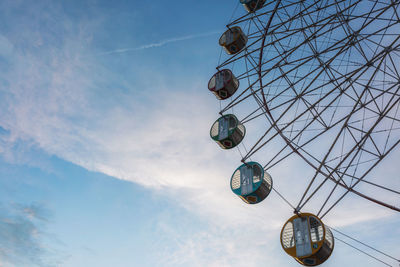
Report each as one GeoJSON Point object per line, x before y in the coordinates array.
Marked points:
{"type": "Point", "coordinates": [233, 247]}
{"type": "Point", "coordinates": [6, 46]}
{"type": "Point", "coordinates": [160, 43]}
{"type": "Point", "coordinates": [21, 230]}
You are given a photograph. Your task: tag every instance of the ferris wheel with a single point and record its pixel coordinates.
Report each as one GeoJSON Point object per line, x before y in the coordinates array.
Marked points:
{"type": "Point", "coordinates": [323, 79]}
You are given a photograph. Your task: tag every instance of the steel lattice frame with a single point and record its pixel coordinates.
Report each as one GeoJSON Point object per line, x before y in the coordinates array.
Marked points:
{"type": "Point", "coordinates": [326, 77]}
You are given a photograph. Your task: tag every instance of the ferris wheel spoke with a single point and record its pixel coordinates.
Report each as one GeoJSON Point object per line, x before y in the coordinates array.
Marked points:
{"type": "Point", "coordinates": [358, 153]}
{"type": "Point", "coordinates": [394, 69]}
{"type": "Point", "coordinates": [315, 35]}
{"type": "Point", "coordinates": [293, 50]}
{"type": "Point", "coordinates": [250, 58]}
{"type": "Point", "coordinates": [368, 182]}
{"type": "Point", "coordinates": [367, 37]}
{"type": "Point", "coordinates": [369, 137]}
{"type": "Point", "coordinates": [378, 44]}
{"type": "Point", "coordinates": [391, 129]}
{"type": "Point", "coordinates": [322, 163]}
{"type": "Point", "coordinates": [358, 144]}
{"type": "Point", "coordinates": [351, 189]}
{"type": "Point", "coordinates": [363, 195]}
{"type": "Point", "coordinates": [379, 158]}
{"type": "Point", "coordinates": [373, 99]}
{"type": "Point", "coordinates": [238, 99]}
{"type": "Point", "coordinates": [362, 251]}
{"type": "Point", "coordinates": [322, 98]}
{"type": "Point", "coordinates": [258, 24]}
{"type": "Point", "coordinates": [356, 33]}
{"type": "Point", "coordinates": [291, 84]}
{"type": "Point", "coordinates": [396, 12]}
{"type": "Point", "coordinates": [315, 137]}
{"type": "Point", "coordinates": [355, 121]}
{"type": "Point", "coordinates": [253, 115]}
{"type": "Point", "coordinates": [310, 58]}
{"type": "Point", "coordinates": [293, 121]}
{"type": "Point", "coordinates": [373, 166]}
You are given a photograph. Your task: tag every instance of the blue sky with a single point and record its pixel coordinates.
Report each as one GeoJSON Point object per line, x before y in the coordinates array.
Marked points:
{"type": "Point", "coordinates": [105, 156]}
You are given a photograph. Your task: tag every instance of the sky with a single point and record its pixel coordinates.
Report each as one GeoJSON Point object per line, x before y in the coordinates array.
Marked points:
{"type": "Point", "coordinates": [105, 154]}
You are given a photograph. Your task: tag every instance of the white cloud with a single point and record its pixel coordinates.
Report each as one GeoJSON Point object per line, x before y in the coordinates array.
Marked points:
{"type": "Point", "coordinates": [158, 140]}
{"type": "Point", "coordinates": [6, 47]}
{"type": "Point", "coordinates": [21, 230]}
{"type": "Point", "coordinates": [231, 248]}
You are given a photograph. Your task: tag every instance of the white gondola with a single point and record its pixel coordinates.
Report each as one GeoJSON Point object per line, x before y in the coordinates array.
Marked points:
{"type": "Point", "coordinates": [223, 84]}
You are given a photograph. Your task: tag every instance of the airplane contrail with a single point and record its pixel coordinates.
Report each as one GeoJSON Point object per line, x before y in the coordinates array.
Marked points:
{"type": "Point", "coordinates": [161, 43]}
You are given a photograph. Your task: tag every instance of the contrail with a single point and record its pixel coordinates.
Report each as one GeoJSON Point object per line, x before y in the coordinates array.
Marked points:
{"type": "Point", "coordinates": [161, 43]}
